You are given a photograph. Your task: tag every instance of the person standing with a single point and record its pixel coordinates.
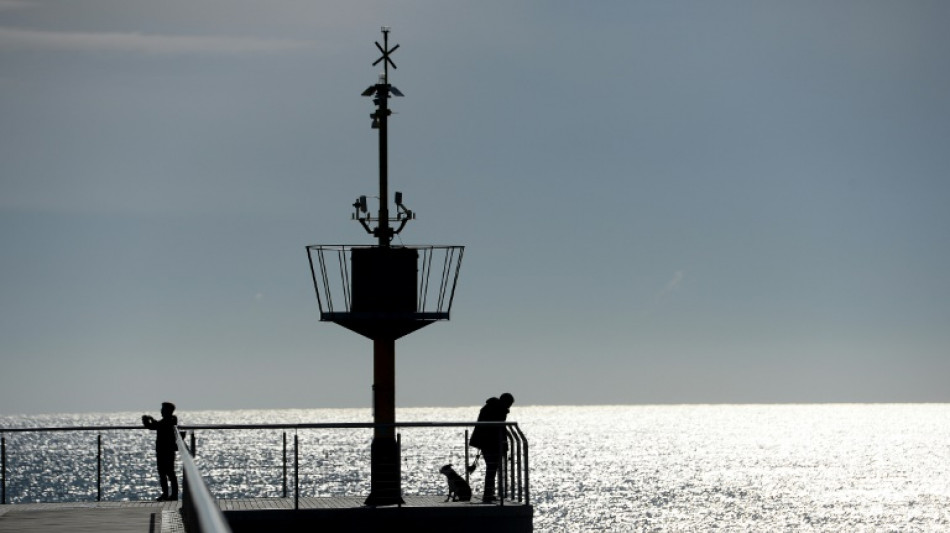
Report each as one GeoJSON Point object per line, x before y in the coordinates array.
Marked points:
{"type": "Point", "coordinates": [491, 440]}
{"type": "Point", "coordinates": [165, 447]}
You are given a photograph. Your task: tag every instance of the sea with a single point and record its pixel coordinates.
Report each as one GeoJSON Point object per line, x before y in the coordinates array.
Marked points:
{"type": "Point", "coordinates": [813, 467]}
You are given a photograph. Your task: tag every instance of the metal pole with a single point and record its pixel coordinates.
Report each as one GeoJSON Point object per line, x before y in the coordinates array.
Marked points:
{"type": "Point", "coordinates": [527, 470]}
{"type": "Point", "coordinates": [502, 467]}
{"type": "Point", "coordinates": [382, 93]}
{"type": "Point", "coordinates": [296, 474]}
{"type": "Point", "coordinates": [285, 464]}
{"type": "Point", "coordinates": [399, 462]}
{"type": "Point", "coordinates": [510, 456]}
{"type": "Point", "coordinates": [194, 452]}
{"type": "Point", "coordinates": [383, 228]}
{"type": "Point", "coordinates": [465, 445]}
{"type": "Point", "coordinates": [99, 468]}
{"type": "Point", "coordinates": [384, 454]}
{"type": "Point", "coordinates": [3, 469]}
{"type": "Point", "coordinates": [384, 386]}
{"type": "Point", "coordinates": [518, 466]}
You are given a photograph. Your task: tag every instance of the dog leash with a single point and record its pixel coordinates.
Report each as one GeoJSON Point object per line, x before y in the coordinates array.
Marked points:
{"type": "Point", "coordinates": [472, 467]}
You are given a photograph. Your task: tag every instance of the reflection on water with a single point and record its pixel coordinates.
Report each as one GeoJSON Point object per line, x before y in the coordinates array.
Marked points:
{"type": "Point", "coordinates": [602, 468]}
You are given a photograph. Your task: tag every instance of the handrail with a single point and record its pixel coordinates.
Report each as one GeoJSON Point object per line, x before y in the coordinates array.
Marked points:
{"type": "Point", "coordinates": [325, 425]}
{"type": "Point", "coordinates": [524, 456]}
{"type": "Point", "coordinates": [516, 463]}
{"type": "Point", "coordinates": [70, 428]}
{"type": "Point", "coordinates": [198, 506]}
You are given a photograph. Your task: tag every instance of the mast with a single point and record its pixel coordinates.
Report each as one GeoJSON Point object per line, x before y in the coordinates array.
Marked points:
{"type": "Point", "coordinates": [384, 292]}
{"type": "Point", "coordinates": [381, 92]}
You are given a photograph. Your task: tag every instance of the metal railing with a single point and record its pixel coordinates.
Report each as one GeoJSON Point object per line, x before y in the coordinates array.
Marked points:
{"type": "Point", "coordinates": [324, 462]}
{"type": "Point", "coordinates": [198, 509]}
{"type": "Point", "coordinates": [61, 466]}
{"type": "Point", "coordinates": [437, 273]}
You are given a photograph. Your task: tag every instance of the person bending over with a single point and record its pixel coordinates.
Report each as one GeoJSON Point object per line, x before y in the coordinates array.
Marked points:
{"type": "Point", "coordinates": [491, 440]}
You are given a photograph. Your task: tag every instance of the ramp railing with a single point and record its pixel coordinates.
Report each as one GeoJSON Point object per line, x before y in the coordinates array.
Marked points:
{"type": "Point", "coordinates": [199, 511]}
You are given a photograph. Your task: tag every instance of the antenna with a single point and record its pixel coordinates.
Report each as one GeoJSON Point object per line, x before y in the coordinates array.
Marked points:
{"type": "Point", "coordinates": [381, 92]}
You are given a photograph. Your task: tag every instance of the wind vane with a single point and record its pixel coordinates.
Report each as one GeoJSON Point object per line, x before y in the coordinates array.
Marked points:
{"type": "Point", "coordinates": [386, 51]}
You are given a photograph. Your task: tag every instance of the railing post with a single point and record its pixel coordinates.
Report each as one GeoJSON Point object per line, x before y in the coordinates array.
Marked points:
{"type": "Point", "coordinates": [3, 469]}
{"type": "Point", "coordinates": [99, 467]}
{"type": "Point", "coordinates": [285, 464]}
{"type": "Point", "coordinates": [502, 472]}
{"type": "Point", "coordinates": [527, 469]}
{"type": "Point", "coordinates": [399, 470]}
{"type": "Point", "coordinates": [194, 452]}
{"type": "Point", "coordinates": [296, 474]}
{"type": "Point", "coordinates": [512, 464]}
{"type": "Point", "coordinates": [465, 446]}
{"type": "Point", "coordinates": [518, 466]}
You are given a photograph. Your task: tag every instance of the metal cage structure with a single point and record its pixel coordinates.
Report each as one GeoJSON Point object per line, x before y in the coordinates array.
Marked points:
{"type": "Point", "coordinates": [359, 286]}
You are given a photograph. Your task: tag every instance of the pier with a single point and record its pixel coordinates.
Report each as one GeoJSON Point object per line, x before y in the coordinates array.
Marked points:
{"type": "Point", "coordinates": [105, 517]}
{"type": "Point", "coordinates": [347, 513]}
{"type": "Point", "coordinates": [294, 509]}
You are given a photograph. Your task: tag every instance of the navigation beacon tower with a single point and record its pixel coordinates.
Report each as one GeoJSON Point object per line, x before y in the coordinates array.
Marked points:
{"type": "Point", "coordinates": [384, 292]}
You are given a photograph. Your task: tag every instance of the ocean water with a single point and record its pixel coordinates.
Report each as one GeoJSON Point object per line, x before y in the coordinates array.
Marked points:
{"type": "Point", "coordinates": [836, 467]}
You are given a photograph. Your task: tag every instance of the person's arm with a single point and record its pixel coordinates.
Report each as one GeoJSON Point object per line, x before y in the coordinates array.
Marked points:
{"type": "Point", "coordinates": [150, 422]}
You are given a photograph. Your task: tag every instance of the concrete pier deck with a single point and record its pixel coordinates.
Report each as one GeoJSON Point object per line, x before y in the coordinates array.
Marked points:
{"type": "Point", "coordinates": [420, 513]}
{"type": "Point", "coordinates": [107, 517]}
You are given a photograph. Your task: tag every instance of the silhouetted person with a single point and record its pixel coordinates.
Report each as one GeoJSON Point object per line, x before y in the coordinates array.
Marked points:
{"type": "Point", "coordinates": [165, 447]}
{"type": "Point", "coordinates": [491, 440]}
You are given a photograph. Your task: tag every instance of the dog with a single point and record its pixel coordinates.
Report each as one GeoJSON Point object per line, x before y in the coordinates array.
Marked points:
{"type": "Point", "coordinates": [459, 491]}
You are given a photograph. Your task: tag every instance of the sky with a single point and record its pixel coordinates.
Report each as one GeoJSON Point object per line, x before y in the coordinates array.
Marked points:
{"type": "Point", "coordinates": [660, 201]}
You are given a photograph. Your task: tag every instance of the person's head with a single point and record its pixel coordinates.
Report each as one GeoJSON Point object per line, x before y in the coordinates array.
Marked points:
{"type": "Point", "coordinates": [168, 408]}
{"type": "Point", "coordinates": [507, 399]}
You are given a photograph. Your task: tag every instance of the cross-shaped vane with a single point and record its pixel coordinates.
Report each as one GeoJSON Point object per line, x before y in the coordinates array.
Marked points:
{"type": "Point", "coordinates": [384, 48]}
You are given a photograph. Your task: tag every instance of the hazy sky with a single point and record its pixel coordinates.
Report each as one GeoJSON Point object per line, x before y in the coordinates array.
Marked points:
{"type": "Point", "coordinates": [663, 201]}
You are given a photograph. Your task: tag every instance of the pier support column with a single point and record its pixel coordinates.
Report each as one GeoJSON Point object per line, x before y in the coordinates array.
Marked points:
{"type": "Point", "coordinates": [385, 468]}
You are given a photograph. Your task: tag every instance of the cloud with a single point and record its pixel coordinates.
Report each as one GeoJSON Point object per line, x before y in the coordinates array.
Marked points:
{"type": "Point", "coordinates": [15, 4]}
{"type": "Point", "coordinates": [134, 42]}
{"type": "Point", "coordinates": [672, 286]}
{"type": "Point", "coordinates": [674, 283]}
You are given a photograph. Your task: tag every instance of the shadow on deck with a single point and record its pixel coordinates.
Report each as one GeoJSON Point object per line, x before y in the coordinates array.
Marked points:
{"type": "Point", "coordinates": [418, 514]}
